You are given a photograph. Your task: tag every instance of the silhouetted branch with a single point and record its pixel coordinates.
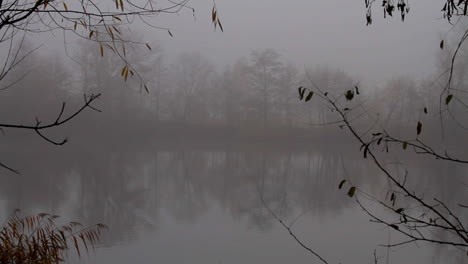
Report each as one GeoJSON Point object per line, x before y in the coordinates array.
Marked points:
{"type": "Point", "coordinates": [87, 104]}
{"type": "Point", "coordinates": [291, 233]}
{"type": "Point", "coordinates": [9, 168]}
{"type": "Point", "coordinates": [58, 122]}
{"type": "Point", "coordinates": [409, 225]}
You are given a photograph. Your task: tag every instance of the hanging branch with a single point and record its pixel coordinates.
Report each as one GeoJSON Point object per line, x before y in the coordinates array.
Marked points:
{"type": "Point", "coordinates": [436, 214]}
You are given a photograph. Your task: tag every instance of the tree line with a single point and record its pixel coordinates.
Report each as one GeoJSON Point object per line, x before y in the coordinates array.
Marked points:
{"type": "Point", "coordinates": [257, 90]}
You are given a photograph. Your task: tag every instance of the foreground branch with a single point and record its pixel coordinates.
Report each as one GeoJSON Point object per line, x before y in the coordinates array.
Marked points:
{"type": "Point", "coordinates": [291, 233]}
{"type": "Point", "coordinates": [38, 128]}
{"type": "Point", "coordinates": [437, 215]}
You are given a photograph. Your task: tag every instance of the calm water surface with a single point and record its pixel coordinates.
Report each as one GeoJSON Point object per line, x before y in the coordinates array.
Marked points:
{"type": "Point", "coordinates": [193, 205]}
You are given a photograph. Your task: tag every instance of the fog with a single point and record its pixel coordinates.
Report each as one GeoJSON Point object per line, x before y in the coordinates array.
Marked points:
{"type": "Point", "coordinates": [202, 149]}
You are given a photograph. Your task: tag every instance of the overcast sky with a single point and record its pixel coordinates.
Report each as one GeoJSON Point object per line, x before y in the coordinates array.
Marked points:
{"type": "Point", "coordinates": [325, 32]}
{"type": "Point", "coordinates": [320, 32]}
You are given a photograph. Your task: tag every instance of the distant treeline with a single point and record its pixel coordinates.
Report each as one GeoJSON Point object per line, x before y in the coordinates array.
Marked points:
{"type": "Point", "coordinates": [256, 95]}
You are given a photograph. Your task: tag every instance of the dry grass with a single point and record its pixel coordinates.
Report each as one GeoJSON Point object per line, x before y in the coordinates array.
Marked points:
{"type": "Point", "coordinates": [38, 239]}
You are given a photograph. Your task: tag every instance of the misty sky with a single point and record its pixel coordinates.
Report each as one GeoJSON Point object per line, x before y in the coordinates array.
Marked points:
{"type": "Point", "coordinates": [325, 32]}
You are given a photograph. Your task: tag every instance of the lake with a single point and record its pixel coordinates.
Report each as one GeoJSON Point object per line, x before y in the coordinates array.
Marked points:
{"type": "Point", "coordinates": [177, 203]}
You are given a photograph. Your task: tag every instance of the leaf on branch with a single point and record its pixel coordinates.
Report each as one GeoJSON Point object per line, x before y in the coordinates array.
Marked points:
{"type": "Point", "coordinates": [399, 210]}
{"type": "Point", "coordinates": [301, 92]}
{"type": "Point", "coordinates": [351, 191]}
{"type": "Point", "coordinates": [110, 47]}
{"type": "Point", "coordinates": [405, 145]}
{"type": "Point", "coordinates": [123, 70]}
{"type": "Point", "coordinates": [83, 23]}
{"type": "Point", "coordinates": [146, 89]}
{"type": "Point", "coordinates": [448, 99]}
{"type": "Point", "coordinates": [74, 27]}
{"type": "Point", "coordinates": [379, 141]}
{"type": "Point", "coordinates": [357, 89]}
{"type": "Point", "coordinates": [110, 32]}
{"type": "Point", "coordinates": [116, 29]}
{"type": "Point", "coordinates": [366, 149]}
{"type": "Point", "coordinates": [117, 18]}
{"type": "Point", "coordinates": [170, 34]}
{"type": "Point", "coordinates": [65, 6]}
{"type": "Point", "coordinates": [394, 226]}
{"type": "Point", "coordinates": [309, 96]}
{"type": "Point", "coordinates": [418, 128]}
{"type": "Point", "coordinates": [101, 49]}
{"type": "Point", "coordinates": [425, 110]}
{"type": "Point", "coordinates": [441, 44]}
{"type": "Point", "coordinates": [349, 95]}
{"type": "Point", "coordinates": [341, 184]}
{"type": "Point", "coordinates": [45, 4]}
{"type": "Point", "coordinates": [148, 46]}
{"type": "Point", "coordinates": [368, 19]}
{"type": "Point", "coordinates": [91, 34]}
{"type": "Point", "coordinates": [121, 5]}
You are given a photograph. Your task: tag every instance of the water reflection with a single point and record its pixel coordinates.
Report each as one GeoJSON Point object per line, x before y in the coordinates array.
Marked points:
{"type": "Point", "coordinates": [152, 197]}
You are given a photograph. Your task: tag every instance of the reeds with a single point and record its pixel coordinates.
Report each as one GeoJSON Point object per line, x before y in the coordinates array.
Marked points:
{"type": "Point", "coordinates": [39, 239]}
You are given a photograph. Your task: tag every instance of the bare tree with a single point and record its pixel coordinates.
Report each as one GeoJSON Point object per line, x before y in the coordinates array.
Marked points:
{"type": "Point", "coordinates": [192, 73]}
{"type": "Point", "coordinates": [265, 68]}
{"type": "Point", "coordinates": [105, 24]}
{"type": "Point", "coordinates": [418, 217]}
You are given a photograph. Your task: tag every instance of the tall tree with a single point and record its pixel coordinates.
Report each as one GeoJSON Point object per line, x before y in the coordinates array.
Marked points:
{"type": "Point", "coordinates": [265, 68]}
{"type": "Point", "coordinates": [192, 72]}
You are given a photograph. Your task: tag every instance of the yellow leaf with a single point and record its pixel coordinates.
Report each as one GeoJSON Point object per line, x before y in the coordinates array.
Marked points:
{"type": "Point", "coordinates": [110, 47]}
{"type": "Point", "coordinates": [123, 48]}
{"type": "Point", "coordinates": [65, 6]}
{"type": "Point", "coordinates": [116, 17]}
{"type": "Point", "coordinates": [102, 50]}
{"type": "Point", "coordinates": [131, 72]}
{"type": "Point", "coordinates": [110, 32]}
{"type": "Point", "coordinates": [123, 70]}
{"type": "Point", "coordinates": [126, 74]}
{"type": "Point", "coordinates": [83, 23]}
{"type": "Point", "coordinates": [91, 34]}
{"type": "Point", "coordinates": [121, 5]}
{"type": "Point", "coordinates": [45, 4]}
{"type": "Point", "coordinates": [74, 27]}
{"type": "Point", "coordinates": [148, 46]}
{"type": "Point", "coordinates": [117, 4]}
